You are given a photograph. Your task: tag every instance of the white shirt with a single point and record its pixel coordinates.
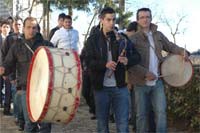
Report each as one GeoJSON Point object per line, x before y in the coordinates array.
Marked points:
{"type": "Point", "coordinates": [66, 39]}
{"type": "Point", "coordinates": [153, 60]}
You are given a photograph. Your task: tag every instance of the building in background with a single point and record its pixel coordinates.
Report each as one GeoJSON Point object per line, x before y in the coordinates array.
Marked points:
{"type": "Point", "coordinates": [5, 11]}
{"type": "Point", "coordinates": [24, 8]}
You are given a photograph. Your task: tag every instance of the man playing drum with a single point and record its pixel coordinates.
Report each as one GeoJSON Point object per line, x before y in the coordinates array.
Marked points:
{"type": "Point", "coordinates": [149, 42]}
{"type": "Point", "coordinates": [19, 55]}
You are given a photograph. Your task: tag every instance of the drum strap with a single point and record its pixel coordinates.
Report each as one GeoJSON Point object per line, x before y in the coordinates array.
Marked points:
{"type": "Point", "coordinates": [155, 51]}
{"type": "Point", "coordinates": [29, 48]}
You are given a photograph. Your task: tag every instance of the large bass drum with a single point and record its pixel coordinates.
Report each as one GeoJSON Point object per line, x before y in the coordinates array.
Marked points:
{"type": "Point", "coordinates": [54, 85]}
{"type": "Point", "coordinates": [175, 71]}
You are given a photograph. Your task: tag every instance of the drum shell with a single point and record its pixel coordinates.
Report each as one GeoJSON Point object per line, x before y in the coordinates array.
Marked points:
{"type": "Point", "coordinates": [62, 97]}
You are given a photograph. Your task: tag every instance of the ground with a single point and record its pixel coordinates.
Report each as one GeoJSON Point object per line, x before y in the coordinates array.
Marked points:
{"type": "Point", "coordinates": [80, 124]}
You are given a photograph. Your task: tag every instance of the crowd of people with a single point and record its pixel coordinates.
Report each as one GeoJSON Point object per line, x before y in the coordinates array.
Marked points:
{"type": "Point", "coordinates": [120, 70]}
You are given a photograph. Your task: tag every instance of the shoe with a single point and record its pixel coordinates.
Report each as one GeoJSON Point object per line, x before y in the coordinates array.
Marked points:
{"type": "Point", "coordinates": [21, 127]}
{"type": "Point", "coordinates": [16, 121]}
{"type": "Point", "coordinates": [112, 119]}
{"type": "Point", "coordinates": [93, 117]}
{"type": "Point", "coordinates": [1, 105]}
{"type": "Point", "coordinates": [7, 113]}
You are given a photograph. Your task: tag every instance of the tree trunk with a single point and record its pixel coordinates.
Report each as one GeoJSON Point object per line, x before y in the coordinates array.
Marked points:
{"type": "Point", "coordinates": [70, 12]}
{"type": "Point", "coordinates": [48, 8]}
{"type": "Point", "coordinates": [44, 21]}
{"type": "Point", "coordinates": [122, 7]}
{"type": "Point", "coordinates": [88, 30]}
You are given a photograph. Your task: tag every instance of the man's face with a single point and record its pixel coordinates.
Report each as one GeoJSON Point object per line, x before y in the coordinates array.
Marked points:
{"type": "Point", "coordinates": [17, 26]}
{"type": "Point", "coordinates": [5, 29]}
{"type": "Point", "coordinates": [144, 19]}
{"type": "Point", "coordinates": [60, 22]}
{"type": "Point", "coordinates": [67, 23]}
{"type": "Point", "coordinates": [108, 22]}
{"type": "Point", "coordinates": [30, 29]}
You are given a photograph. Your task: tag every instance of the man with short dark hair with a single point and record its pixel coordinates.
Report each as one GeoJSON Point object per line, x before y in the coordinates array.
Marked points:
{"type": "Point", "coordinates": [20, 55]}
{"type": "Point", "coordinates": [60, 24]}
{"type": "Point", "coordinates": [5, 30]}
{"type": "Point", "coordinates": [131, 29]}
{"type": "Point", "coordinates": [107, 73]}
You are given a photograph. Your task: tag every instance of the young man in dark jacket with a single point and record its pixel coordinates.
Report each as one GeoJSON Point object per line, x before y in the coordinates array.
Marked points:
{"type": "Point", "coordinates": [4, 81]}
{"type": "Point", "coordinates": [60, 24]}
{"type": "Point", "coordinates": [107, 72]}
{"type": "Point", "coordinates": [10, 40]}
{"type": "Point", "coordinates": [20, 55]}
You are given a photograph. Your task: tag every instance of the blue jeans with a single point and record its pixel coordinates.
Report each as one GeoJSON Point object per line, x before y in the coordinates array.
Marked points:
{"type": "Point", "coordinates": [156, 95]}
{"type": "Point", "coordinates": [119, 98]}
{"type": "Point", "coordinates": [8, 95]}
{"type": "Point", "coordinates": [20, 115]}
{"type": "Point", "coordinates": [15, 108]}
{"type": "Point", "coordinates": [32, 127]}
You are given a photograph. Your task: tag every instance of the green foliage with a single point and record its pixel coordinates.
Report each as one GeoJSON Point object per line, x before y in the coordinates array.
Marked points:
{"type": "Point", "coordinates": [122, 17]}
{"type": "Point", "coordinates": [74, 4]}
{"type": "Point", "coordinates": [184, 102]}
{"type": "Point", "coordinates": [8, 3]}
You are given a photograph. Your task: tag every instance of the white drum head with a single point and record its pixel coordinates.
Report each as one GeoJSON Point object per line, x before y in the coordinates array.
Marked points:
{"type": "Point", "coordinates": [38, 84]}
{"type": "Point", "coordinates": [175, 71]}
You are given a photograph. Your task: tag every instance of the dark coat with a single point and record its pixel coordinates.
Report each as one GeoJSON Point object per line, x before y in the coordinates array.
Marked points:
{"type": "Point", "coordinates": [96, 59]}
{"type": "Point", "coordinates": [9, 41]}
{"type": "Point", "coordinates": [20, 56]}
{"type": "Point", "coordinates": [52, 32]}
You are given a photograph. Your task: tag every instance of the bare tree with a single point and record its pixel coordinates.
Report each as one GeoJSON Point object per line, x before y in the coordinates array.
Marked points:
{"type": "Point", "coordinates": [174, 27]}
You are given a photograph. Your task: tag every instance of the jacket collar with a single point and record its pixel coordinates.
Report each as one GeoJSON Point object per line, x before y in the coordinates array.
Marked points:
{"type": "Point", "coordinates": [153, 28]}
{"type": "Point", "coordinates": [38, 37]}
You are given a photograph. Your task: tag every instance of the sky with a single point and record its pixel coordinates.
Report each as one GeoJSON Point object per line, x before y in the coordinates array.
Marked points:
{"type": "Point", "coordinates": [171, 9]}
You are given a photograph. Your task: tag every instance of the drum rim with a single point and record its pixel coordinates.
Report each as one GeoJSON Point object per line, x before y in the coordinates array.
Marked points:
{"type": "Point", "coordinates": [177, 85]}
{"type": "Point", "coordinates": [50, 86]}
{"type": "Point", "coordinates": [77, 99]}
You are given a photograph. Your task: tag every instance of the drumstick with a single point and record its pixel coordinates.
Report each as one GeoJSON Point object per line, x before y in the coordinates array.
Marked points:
{"type": "Point", "coordinates": [184, 51]}
{"type": "Point", "coordinates": [160, 76]}
{"type": "Point", "coordinates": [183, 67]}
{"type": "Point", "coordinates": [184, 54]}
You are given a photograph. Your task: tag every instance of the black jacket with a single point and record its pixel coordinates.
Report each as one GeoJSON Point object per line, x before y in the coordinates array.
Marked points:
{"type": "Point", "coordinates": [52, 32]}
{"type": "Point", "coordinates": [1, 41]}
{"type": "Point", "coordinates": [96, 59]}
{"type": "Point", "coordinates": [20, 56]}
{"type": "Point", "coordinates": [9, 41]}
